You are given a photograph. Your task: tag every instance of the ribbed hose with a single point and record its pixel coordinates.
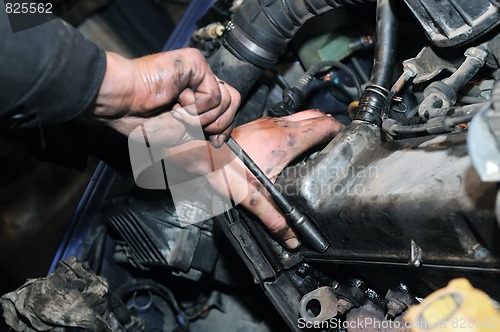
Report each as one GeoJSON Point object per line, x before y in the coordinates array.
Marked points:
{"type": "Point", "coordinates": [259, 34]}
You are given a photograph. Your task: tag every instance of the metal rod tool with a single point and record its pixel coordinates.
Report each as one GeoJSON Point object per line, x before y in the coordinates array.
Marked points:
{"type": "Point", "coordinates": [297, 219]}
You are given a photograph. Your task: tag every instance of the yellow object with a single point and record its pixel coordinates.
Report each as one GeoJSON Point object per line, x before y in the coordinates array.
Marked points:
{"type": "Point", "coordinates": [350, 109]}
{"type": "Point", "coordinates": [457, 307]}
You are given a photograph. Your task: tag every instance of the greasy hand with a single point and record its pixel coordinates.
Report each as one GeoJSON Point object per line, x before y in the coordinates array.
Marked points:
{"type": "Point", "coordinates": [134, 90]}
{"type": "Point", "coordinates": [272, 143]}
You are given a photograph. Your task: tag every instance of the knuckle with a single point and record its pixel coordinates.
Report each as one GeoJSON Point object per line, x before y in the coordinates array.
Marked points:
{"type": "Point", "coordinates": [216, 125]}
{"type": "Point", "coordinates": [194, 53]}
{"type": "Point", "coordinates": [278, 226]}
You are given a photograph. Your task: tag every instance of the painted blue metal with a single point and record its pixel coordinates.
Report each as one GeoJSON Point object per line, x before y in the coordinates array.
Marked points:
{"type": "Point", "coordinates": [85, 218]}
{"type": "Point", "coordinates": [187, 24]}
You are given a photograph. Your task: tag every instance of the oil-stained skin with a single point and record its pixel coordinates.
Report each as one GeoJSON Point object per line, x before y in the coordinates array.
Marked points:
{"type": "Point", "coordinates": [158, 81]}
{"type": "Point", "coordinates": [181, 77]}
{"type": "Point", "coordinates": [191, 78]}
{"type": "Point", "coordinates": [278, 153]}
{"type": "Point", "coordinates": [292, 140]}
{"type": "Point", "coordinates": [218, 98]}
{"type": "Point", "coordinates": [256, 189]}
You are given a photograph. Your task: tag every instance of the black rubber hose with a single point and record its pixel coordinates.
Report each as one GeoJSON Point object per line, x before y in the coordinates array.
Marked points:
{"type": "Point", "coordinates": [464, 73]}
{"type": "Point", "coordinates": [375, 95]}
{"type": "Point", "coordinates": [385, 49]}
{"type": "Point", "coordinates": [235, 71]}
{"type": "Point", "coordinates": [259, 34]}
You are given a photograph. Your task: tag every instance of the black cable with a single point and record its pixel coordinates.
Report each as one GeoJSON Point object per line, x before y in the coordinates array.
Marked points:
{"type": "Point", "coordinates": [294, 96]}
{"type": "Point", "coordinates": [307, 78]}
{"type": "Point", "coordinates": [461, 114]}
{"type": "Point", "coordinates": [419, 128]}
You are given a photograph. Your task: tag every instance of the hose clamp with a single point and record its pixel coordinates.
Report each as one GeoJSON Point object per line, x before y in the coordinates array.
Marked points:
{"type": "Point", "coordinates": [244, 47]}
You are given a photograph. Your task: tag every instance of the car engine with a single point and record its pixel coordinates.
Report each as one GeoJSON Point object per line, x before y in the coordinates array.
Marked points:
{"type": "Point", "coordinates": [406, 195]}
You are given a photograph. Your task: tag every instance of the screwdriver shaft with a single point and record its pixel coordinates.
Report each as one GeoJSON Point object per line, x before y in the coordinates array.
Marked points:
{"type": "Point", "coordinates": [301, 223]}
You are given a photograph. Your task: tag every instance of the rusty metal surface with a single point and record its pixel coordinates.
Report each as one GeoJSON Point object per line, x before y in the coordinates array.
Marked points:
{"type": "Point", "coordinates": [326, 302]}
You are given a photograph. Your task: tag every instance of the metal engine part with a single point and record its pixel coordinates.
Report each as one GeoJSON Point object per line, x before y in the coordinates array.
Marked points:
{"type": "Point", "coordinates": [382, 202]}
{"type": "Point", "coordinates": [408, 211]}
{"type": "Point", "coordinates": [325, 300]}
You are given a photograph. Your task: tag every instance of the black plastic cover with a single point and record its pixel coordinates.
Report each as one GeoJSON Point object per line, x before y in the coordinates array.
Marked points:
{"type": "Point", "coordinates": [455, 22]}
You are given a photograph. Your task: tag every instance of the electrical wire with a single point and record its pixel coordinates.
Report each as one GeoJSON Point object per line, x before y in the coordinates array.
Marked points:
{"type": "Point", "coordinates": [307, 78]}
{"type": "Point", "coordinates": [462, 115]}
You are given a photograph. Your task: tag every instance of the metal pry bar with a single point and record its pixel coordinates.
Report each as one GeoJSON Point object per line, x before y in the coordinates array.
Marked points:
{"type": "Point", "coordinates": [297, 219]}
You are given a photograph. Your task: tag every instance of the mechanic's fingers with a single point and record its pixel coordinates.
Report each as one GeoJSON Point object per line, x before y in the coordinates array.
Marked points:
{"type": "Point", "coordinates": [221, 117]}
{"type": "Point", "coordinates": [202, 85]}
{"type": "Point", "coordinates": [223, 125]}
{"type": "Point", "coordinates": [300, 138]}
{"type": "Point", "coordinates": [260, 203]}
{"type": "Point", "coordinates": [186, 114]}
{"type": "Point", "coordinates": [218, 140]}
{"type": "Point", "coordinates": [315, 131]}
{"type": "Point", "coordinates": [207, 95]}
{"type": "Point", "coordinates": [217, 122]}
{"type": "Point", "coordinates": [232, 110]}
{"type": "Point", "coordinates": [241, 185]}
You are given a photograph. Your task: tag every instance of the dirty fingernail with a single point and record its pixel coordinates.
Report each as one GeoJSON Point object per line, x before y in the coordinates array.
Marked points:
{"type": "Point", "coordinates": [292, 243]}
{"type": "Point", "coordinates": [216, 145]}
{"type": "Point", "coordinates": [221, 139]}
{"type": "Point", "coordinates": [214, 141]}
{"type": "Point", "coordinates": [217, 140]}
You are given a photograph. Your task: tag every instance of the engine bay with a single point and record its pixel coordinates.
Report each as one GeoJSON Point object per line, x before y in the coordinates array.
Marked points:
{"type": "Point", "coordinates": [405, 195]}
